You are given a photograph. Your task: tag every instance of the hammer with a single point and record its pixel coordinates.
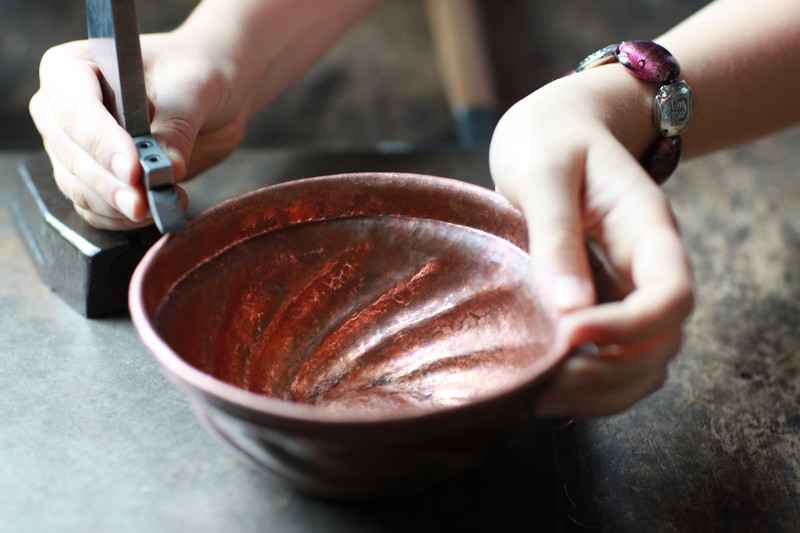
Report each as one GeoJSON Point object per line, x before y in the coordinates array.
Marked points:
{"type": "Point", "coordinates": [463, 56]}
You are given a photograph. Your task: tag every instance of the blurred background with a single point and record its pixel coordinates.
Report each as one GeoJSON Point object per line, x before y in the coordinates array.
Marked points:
{"type": "Point", "coordinates": [381, 83]}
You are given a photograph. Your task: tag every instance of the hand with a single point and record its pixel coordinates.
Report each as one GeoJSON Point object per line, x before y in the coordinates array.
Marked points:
{"type": "Point", "coordinates": [563, 155]}
{"type": "Point", "coordinates": [196, 116]}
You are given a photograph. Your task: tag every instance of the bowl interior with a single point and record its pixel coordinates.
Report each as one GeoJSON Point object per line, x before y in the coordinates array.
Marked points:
{"type": "Point", "coordinates": [355, 308]}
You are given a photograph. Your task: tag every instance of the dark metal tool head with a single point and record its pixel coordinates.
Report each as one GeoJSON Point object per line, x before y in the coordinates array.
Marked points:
{"type": "Point", "coordinates": [114, 41]}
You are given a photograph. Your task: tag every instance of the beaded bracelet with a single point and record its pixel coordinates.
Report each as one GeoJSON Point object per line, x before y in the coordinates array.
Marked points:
{"type": "Point", "coordinates": [673, 103]}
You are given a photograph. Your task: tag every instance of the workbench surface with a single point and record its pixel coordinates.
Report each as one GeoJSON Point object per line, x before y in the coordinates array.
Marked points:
{"type": "Point", "coordinates": [94, 438]}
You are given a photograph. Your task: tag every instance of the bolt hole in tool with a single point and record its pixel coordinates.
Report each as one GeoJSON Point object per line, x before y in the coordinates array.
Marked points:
{"type": "Point", "coordinates": [91, 268]}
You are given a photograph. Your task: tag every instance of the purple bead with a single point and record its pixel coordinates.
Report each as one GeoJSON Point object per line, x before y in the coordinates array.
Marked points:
{"type": "Point", "coordinates": [661, 159]}
{"type": "Point", "coordinates": [649, 61]}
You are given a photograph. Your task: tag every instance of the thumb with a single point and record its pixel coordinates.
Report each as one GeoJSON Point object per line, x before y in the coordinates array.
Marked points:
{"type": "Point", "coordinates": [547, 184]}
{"type": "Point", "coordinates": [559, 251]}
{"type": "Point", "coordinates": [555, 228]}
{"type": "Point", "coordinates": [176, 131]}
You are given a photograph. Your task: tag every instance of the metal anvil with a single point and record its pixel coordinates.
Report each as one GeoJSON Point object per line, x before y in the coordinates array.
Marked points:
{"type": "Point", "coordinates": [89, 268]}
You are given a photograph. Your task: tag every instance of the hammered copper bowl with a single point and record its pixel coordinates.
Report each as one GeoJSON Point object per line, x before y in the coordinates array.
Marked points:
{"type": "Point", "coordinates": [356, 334]}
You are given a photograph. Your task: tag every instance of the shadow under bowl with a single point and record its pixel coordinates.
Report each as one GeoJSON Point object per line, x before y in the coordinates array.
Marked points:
{"type": "Point", "coordinates": [356, 334]}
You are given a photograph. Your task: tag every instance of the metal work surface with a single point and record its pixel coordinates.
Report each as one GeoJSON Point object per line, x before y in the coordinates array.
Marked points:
{"type": "Point", "coordinates": [94, 438]}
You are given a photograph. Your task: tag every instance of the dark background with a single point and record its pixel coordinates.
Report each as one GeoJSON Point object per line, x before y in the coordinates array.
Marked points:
{"type": "Point", "coordinates": [380, 83]}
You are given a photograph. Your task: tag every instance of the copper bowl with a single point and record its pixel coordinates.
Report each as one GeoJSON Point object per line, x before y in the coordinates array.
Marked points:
{"type": "Point", "coordinates": [355, 334]}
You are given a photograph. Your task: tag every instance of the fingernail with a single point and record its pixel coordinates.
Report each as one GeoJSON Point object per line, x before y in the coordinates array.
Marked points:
{"type": "Point", "coordinates": [121, 167]}
{"type": "Point", "coordinates": [570, 292]}
{"type": "Point", "coordinates": [125, 201]}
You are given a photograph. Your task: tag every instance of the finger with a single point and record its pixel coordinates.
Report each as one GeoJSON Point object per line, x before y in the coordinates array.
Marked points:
{"type": "Point", "coordinates": [90, 206]}
{"type": "Point", "coordinates": [626, 210]}
{"type": "Point", "coordinates": [610, 381]}
{"type": "Point", "coordinates": [630, 220]}
{"type": "Point", "coordinates": [546, 184]}
{"type": "Point", "coordinates": [122, 223]}
{"type": "Point", "coordinates": [615, 367]}
{"type": "Point", "coordinates": [177, 112]}
{"type": "Point", "coordinates": [82, 196]}
{"type": "Point", "coordinates": [111, 223]}
{"type": "Point", "coordinates": [662, 300]}
{"type": "Point", "coordinates": [177, 126]}
{"type": "Point", "coordinates": [69, 80]}
{"type": "Point", "coordinates": [555, 226]}
{"type": "Point", "coordinates": [212, 147]}
{"type": "Point", "coordinates": [585, 404]}
{"type": "Point", "coordinates": [83, 180]}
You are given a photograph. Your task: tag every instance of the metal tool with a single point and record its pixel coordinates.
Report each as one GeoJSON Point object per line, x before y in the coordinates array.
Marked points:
{"type": "Point", "coordinates": [89, 268]}
{"type": "Point", "coordinates": [114, 42]}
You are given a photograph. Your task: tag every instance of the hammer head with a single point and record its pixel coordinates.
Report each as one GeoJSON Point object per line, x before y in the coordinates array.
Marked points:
{"type": "Point", "coordinates": [88, 268]}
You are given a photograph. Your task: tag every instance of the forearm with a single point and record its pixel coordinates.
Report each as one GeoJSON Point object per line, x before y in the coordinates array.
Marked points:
{"type": "Point", "coordinates": [567, 154]}
{"type": "Point", "coordinates": [270, 43]}
{"type": "Point", "coordinates": [742, 60]}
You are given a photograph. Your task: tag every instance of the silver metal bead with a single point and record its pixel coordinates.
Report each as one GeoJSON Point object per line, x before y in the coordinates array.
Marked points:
{"type": "Point", "coordinates": [601, 57]}
{"type": "Point", "coordinates": [673, 109]}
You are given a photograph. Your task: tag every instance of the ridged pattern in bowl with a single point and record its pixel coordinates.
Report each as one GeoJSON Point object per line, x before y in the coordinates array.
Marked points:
{"type": "Point", "coordinates": [353, 334]}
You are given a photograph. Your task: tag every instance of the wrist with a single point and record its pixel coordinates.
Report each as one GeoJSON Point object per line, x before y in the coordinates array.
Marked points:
{"type": "Point", "coordinates": [563, 120]}
{"type": "Point", "coordinates": [607, 98]}
{"type": "Point", "coordinates": [624, 104]}
{"type": "Point", "coordinates": [268, 44]}
{"type": "Point", "coordinates": [673, 104]}
{"type": "Point", "coordinates": [219, 44]}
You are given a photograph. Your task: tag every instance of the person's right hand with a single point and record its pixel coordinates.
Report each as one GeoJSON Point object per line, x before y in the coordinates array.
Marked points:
{"type": "Point", "coordinates": [196, 115]}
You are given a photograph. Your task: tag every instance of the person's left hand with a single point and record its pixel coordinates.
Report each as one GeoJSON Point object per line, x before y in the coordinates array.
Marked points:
{"type": "Point", "coordinates": [563, 156]}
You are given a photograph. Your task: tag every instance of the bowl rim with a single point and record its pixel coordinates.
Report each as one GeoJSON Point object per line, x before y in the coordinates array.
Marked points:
{"type": "Point", "coordinates": [229, 397]}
